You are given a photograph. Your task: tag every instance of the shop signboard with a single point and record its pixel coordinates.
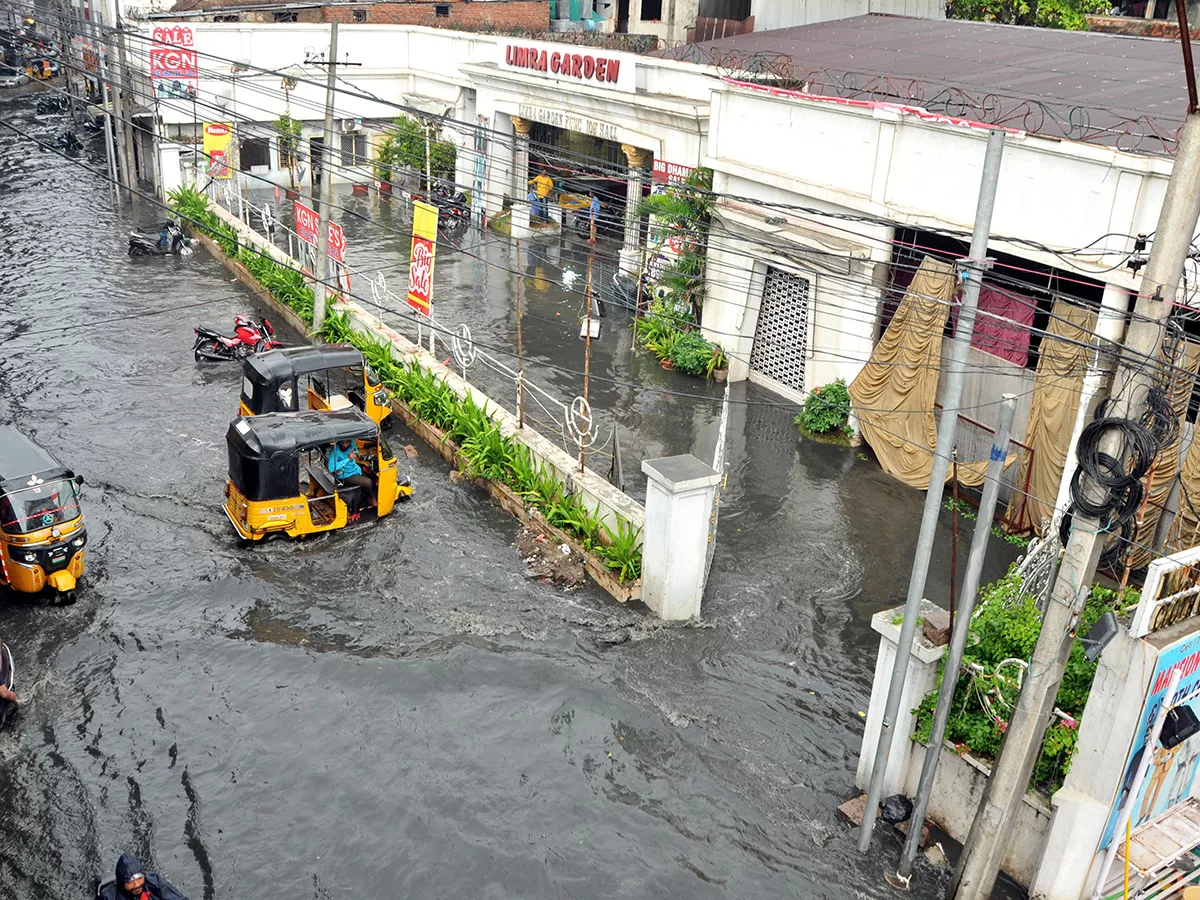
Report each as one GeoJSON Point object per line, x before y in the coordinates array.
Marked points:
{"type": "Point", "coordinates": [308, 227]}
{"type": "Point", "coordinates": [217, 137]}
{"type": "Point", "coordinates": [424, 246]}
{"type": "Point", "coordinates": [1169, 778]}
{"type": "Point", "coordinates": [670, 173]}
{"type": "Point", "coordinates": [174, 71]}
{"type": "Point", "coordinates": [574, 65]}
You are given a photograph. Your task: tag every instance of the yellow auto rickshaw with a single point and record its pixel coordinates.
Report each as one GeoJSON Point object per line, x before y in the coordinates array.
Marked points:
{"type": "Point", "coordinates": [279, 478]}
{"type": "Point", "coordinates": [42, 537]}
{"type": "Point", "coordinates": [330, 377]}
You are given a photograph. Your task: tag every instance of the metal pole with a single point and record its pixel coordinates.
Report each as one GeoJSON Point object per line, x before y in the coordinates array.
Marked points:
{"type": "Point", "coordinates": [991, 830]}
{"type": "Point", "coordinates": [102, 76]}
{"type": "Point", "coordinates": [954, 541]}
{"type": "Point", "coordinates": [114, 95]}
{"type": "Point", "coordinates": [322, 264]}
{"type": "Point", "coordinates": [587, 353]}
{"type": "Point", "coordinates": [937, 477]}
{"type": "Point", "coordinates": [125, 102]}
{"type": "Point", "coordinates": [1138, 778]}
{"type": "Point", "coordinates": [428, 164]}
{"type": "Point", "coordinates": [520, 344]}
{"type": "Point", "coordinates": [958, 640]}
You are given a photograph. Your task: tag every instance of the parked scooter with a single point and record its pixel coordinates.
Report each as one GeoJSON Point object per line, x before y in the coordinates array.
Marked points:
{"type": "Point", "coordinates": [49, 105]}
{"type": "Point", "coordinates": [453, 209]}
{"type": "Point", "coordinates": [249, 337]}
{"type": "Point", "coordinates": [164, 239]}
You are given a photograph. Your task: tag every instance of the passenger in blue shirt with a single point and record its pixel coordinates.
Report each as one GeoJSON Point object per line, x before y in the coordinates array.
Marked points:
{"type": "Point", "coordinates": [593, 214]}
{"type": "Point", "coordinates": [345, 468]}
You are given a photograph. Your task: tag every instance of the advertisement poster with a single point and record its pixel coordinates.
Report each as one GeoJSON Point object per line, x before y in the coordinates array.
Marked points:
{"type": "Point", "coordinates": [420, 270]}
{"type": "Point", "coordinates": [1169, 779]}
{"type": "Point", "coordinates": [308, 227]}
{"type": "Point", "coordinates": [217, 137]}
{"type": "Point", "coordinates": [174, 71]}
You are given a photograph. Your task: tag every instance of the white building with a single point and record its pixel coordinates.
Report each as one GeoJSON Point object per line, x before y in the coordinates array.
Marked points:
{"type": "Point", "coordinates": [833, 148]}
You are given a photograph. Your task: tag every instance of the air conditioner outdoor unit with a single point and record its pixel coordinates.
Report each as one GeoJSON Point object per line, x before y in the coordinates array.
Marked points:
{"type": "Point", "coordinates": [349, 126]}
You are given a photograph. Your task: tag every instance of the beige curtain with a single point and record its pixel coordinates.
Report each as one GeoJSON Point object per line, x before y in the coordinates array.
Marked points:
{"type": "Point", "coordinates": [1063, 357]}
{"type": "Point", "coordinates": [1185, 530]}
{"type": "Point", "coordinates": [895, 392]}
{"type": "Point", "coordinates": [1166, 464]}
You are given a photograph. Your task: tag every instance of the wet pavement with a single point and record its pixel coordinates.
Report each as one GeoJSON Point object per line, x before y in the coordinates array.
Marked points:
{"type": "Point", "coordinates": [400, 711]}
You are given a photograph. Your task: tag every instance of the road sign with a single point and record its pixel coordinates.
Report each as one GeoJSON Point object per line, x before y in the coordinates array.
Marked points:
{"type": "Point", "coordinates": [420, 270]}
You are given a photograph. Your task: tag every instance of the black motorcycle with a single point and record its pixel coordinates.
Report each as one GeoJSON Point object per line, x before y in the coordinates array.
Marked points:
{"type": "Point", "coordinates": [164, 239]}
{"type": "Point", "coordinates": [453, 209]}
{"type": "Point", "coordinates": [50, 105]}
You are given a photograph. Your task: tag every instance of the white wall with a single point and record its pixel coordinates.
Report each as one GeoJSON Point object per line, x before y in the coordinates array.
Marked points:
{"type": "Point", "coordinates": [770, 14]}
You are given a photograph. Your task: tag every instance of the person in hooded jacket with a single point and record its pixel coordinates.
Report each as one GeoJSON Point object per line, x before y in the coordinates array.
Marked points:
{"type": "Point", "coordinates": [134, 884]}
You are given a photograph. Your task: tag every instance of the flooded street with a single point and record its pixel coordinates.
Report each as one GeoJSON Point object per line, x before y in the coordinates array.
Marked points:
{"type": "Point", "coordinates": [399, 711]}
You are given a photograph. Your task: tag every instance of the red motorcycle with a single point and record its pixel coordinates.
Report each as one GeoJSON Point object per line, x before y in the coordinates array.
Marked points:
{"type": "Point", "coordinates": [249, 337]}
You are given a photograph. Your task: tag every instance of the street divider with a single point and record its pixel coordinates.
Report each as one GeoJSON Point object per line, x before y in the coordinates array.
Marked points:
{"type": "Point", "coordinates": [522, 470]}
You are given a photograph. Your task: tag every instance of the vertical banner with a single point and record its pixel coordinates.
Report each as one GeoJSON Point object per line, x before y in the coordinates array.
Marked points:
{"type": "Point", "coordinates": [217, 136]}
{"type": "Point", "coordinates": [174, 72]}
{"type": "Point", "coordinates": [420, 271]}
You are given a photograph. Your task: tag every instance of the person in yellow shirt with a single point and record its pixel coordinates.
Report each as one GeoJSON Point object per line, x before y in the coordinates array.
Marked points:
{"type": "Point", "coordinates": [543, 184]}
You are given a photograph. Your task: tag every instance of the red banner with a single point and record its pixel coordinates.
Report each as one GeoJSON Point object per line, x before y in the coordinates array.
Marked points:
{"type": "Point", "coordinates": [669, 172]}
{"type": "Point", "coordinates": [420, 269]}
{"type": "Point", "coordinates": [308, 226]}
{"type": "Point", "coordinates": [174, 70]}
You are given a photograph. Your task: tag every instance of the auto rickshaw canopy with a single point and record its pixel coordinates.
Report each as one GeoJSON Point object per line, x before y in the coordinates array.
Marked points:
{"type": "Point", "coordinates": [264, 373]}
{"type": "Point", "coordinates": [264, 450]}
{"type": "Point", "coordinates": [21, 459]}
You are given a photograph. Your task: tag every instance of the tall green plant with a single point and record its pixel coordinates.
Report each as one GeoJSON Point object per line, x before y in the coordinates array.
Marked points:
{"type": "Point", "coordinates": [287, 132]}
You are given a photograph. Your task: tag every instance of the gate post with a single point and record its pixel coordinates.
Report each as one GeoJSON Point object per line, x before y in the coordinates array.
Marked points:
{"type": "Point", "coordinates": [679, 499]}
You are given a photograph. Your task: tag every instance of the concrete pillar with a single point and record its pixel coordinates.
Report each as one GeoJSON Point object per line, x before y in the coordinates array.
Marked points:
{"type": "Point", "coordinates": [498, 171]}
{"type": "Point", "coordinates": [679, 499]}
{"type": "Point", "coordinates": [919, 680]}
{"type": "Point", "coordinates": [520, 182]}
{"type": "Point", "coordinates": [639, 161]}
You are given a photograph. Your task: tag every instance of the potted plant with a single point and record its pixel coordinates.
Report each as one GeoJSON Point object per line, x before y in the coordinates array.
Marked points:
{"type": "Point", "coordinates": [385, 159]}
{"type": "Point", "coordinates": [718, 365]}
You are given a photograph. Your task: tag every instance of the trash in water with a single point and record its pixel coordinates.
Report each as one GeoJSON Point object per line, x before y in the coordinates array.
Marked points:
{"type": "Point", "coordinates": [896, 808]}
{"type": "Point", "coordinates": [410, 451]}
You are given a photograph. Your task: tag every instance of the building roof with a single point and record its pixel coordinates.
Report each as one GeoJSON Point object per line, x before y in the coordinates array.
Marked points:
{"type": "Point", "coordinates": [284, 432]}
{"type": "Point", "coordinates": [1110, 89]}
{"type": "Point", "coordinates": [21, 457]}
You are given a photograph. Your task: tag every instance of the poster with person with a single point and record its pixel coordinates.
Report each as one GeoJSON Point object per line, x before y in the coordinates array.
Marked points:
{"type": "Point", "coordinates": [1172, 771]}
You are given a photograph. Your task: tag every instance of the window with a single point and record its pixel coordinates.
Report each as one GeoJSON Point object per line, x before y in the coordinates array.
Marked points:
{"type": "Point", "coordinates": [284, 15]}
{"type": "Point", "coordinates": [360, 15]}
{"type": "Point", "coordinates": [354, 149]}
{"type": "Point", "coordinates": [231, 18]}
{"type": "Point", "coordinates": [442, 10]}
{"type": "Point", "coordinates": [651, 10]}
{"type": "Point", "coordinates": [255, 152]}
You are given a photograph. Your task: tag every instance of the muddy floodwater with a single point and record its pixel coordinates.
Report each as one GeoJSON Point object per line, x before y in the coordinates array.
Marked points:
{"type": "Point", "coordinates": [400, 711]}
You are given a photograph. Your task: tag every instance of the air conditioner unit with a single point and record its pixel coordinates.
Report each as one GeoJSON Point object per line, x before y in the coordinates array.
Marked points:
{"type": "Point", "coordinates": [349, 126]}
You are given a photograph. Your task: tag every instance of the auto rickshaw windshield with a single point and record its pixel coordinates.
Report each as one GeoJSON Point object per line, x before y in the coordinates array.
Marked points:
{"type": "Point", "coordinates": [40, 506]}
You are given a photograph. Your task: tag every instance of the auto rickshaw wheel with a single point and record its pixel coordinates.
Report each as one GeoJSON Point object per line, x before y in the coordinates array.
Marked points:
{"type": "Point", "coordinates": [135, 250]}
{"type": "Point", "coordinates": [67, 598]}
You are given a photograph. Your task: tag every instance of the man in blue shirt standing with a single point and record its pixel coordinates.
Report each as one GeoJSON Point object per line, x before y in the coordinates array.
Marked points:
{"type": "Point", "coordinates": [593, 214]}
{"type": "Point", "coordinates": [345, 468]}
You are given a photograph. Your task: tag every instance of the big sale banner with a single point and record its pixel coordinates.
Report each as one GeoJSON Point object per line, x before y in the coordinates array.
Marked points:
{"type": "Point", "coordinates": [174, 71]}
{"type": "Point", "coordinates": [420, 268]}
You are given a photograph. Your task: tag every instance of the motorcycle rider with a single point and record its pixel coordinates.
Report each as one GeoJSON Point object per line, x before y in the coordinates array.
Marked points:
{"type": "Point", "coordinates": [134, 884]}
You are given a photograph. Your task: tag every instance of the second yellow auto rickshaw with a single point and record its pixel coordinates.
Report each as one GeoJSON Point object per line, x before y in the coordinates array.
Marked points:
{"type": "Point", "coordinates": [42, 537]}
{"type": "Point", "coordinates": [279, 477]}
{"type": "Point", "coordinates": [332, 376]}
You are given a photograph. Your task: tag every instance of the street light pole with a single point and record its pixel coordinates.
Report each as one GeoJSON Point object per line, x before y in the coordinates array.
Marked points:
{"type": "Point", "coordinates": [322, 265]}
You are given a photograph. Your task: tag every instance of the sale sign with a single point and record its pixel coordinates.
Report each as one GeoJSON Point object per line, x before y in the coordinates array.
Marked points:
{"type": "Point", "coordinates": [420, 269]}
{"type": "Point", "coordinates": [308, 227]}
{"type": "Point", "coordinates": [174, 71]}
{"type": "Point", "coordinates": [217, 136]}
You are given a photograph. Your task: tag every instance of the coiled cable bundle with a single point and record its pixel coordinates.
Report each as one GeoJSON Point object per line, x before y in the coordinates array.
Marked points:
{"type": "Point", "coordinates": [1108, 487]}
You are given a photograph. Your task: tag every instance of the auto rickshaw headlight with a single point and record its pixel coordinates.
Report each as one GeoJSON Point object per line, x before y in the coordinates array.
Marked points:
{"type": "Point", "coordinates": [30, 557]}
{"type": "Point", "coordinates": [380, 398]}
{"type": "Point", "coordinates": [78, 542]}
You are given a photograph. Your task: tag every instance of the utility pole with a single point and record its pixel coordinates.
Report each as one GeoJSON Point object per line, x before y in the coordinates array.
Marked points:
{"type": "Point", "coordinates": [102, 76]}
{"type": "Point", "coordinates": [322, 266]}
{"type": "Point", "coordinates": [520, 343]}
{"type": "Point", "coordinates": [126, 93]}
{"type": "Point", "coordinates": [1019, 749]}
{"type": "Point", "coordinates": [113, 95]}
{"type": "Point", "coordinates": [958, 641]}
{"type": "Point", "coordinates": [973, 268]}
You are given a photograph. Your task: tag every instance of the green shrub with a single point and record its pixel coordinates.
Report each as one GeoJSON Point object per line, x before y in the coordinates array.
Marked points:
{"type": "Point", "coordinates": [1006, 627]}
{"type": "Point", "coordinates": [691, 353]}
{"type": "Point", "coordinates": [826, 409]}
